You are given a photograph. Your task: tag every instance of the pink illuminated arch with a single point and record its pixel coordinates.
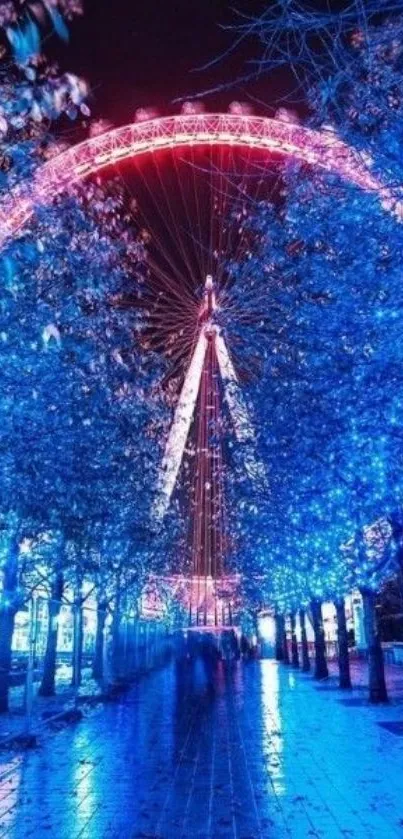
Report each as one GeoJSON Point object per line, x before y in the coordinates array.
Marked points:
{"type": "Point", "coordinates": [321, 149]}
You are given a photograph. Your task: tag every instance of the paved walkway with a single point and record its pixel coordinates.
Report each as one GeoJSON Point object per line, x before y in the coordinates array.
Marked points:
{"type": "Point", "coordinates": [265, 753]}
{"type": "Point", "coordinates": [14, 722]}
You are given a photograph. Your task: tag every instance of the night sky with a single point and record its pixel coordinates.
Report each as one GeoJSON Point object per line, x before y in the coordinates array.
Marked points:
{"type": "Point", "coordinates": [137, 54]}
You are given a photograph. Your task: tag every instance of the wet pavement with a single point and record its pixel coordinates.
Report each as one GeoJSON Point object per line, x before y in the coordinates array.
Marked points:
{"type": "Point", "coordinates": [14, 723]}
{"type": "Point", "coordinates": [262, 752]}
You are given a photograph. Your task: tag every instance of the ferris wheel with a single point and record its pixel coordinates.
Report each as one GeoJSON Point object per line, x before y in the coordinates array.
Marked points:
{"type": "Point", "coordinates": [192, 177]}
{"type": "Point", "coordinates": [194, 130]}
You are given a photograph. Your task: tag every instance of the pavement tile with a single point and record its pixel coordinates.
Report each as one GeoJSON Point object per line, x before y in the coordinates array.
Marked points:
{"type": "Point", "coordinates": [262, 755]}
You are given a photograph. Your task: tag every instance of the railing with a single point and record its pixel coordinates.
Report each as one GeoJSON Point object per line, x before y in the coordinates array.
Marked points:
{"type": "Point", "coordinates": [392, 651]}
{"type": "Point", "coordinates": [138, 647]}
{"type": "Point", "coordinates": [331, 650]}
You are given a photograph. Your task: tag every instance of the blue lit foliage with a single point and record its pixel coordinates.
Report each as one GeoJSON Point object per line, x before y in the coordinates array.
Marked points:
{"type": "Point", "coordinates": [327, 399]}
{"type": "Point", "coordinates": [80, 413]}
{"type": "Point", "coordinates": [365, 103]}
{"type": "Point", "coordinates": [82, 421]}
{"type": "Point", "coordinates": [321, 277]}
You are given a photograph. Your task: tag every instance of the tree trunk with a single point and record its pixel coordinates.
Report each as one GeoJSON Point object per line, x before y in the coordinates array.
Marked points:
{"type": "Point", "coordinates": [7, 618]}
{"type": "Point", "coordinates": [98, 662]}
{"type": "Point", "coordinates": [306, 664]}
{"type": "Point", "coordinates": [294, 644]}
{"type": "Point", "coordinates": [286, 652]}
{"type": "Point", "coordinates": [77, 644]}
{"type": "Point", "coordinates": [116, 645]}
{"type": "Point", "coordinates": [279, 620]}
{"type": "Point", "coordinates": [47, 686]}
{"type": "Point", "coordinates": [321, 671]}
{"type": "Point", "coordinates": [115, 630]}
{"type": "Point", "coordinates": [376, 669]}
{"type": "Point", "coordinates": [8, 609]}
{"type": "Point", "coordinates": [343, 654]}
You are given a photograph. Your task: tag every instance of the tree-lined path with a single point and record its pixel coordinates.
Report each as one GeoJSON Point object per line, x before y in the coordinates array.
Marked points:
{"type": "Point", "coordinates": [261, 753]}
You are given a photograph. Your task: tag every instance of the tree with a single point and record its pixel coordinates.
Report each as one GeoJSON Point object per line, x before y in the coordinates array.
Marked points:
{"type": "Point", "coordinates": [74, 371]}
{"type": "Point", "coordinates": [31, 94]}
{"type": "Point", "coordinates": [306, 665]}
{"type": "Point", "coordinates": [294, 644]}
{"type": "Point", "coordinates": [342, 644]}
{"type": "Point", "coordinates": [327, 397]}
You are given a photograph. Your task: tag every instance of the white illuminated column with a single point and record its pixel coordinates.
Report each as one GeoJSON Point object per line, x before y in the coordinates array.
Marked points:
{"type": "Point", "coordinates": [187, 402]}
{"type": "Point", "coordinates": [180, 429]}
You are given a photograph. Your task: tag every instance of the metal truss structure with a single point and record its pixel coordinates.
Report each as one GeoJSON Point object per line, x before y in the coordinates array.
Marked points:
{"type": "Point", "coordinates": [210, 337]}
{"type": "Point", "coordinates": [321, 149]}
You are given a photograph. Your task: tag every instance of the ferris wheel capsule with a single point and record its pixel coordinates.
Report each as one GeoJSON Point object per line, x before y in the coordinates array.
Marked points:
{"type": "Point", "coordinates": [193, 107]}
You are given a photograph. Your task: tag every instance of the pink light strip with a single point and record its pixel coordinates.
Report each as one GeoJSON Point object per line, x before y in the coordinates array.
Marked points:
{"type": "Point", "coordinates": [322, 149]}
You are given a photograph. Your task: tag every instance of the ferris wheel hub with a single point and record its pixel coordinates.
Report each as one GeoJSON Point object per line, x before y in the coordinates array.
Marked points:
{"type": "Point", "coordinates": [209, 304]}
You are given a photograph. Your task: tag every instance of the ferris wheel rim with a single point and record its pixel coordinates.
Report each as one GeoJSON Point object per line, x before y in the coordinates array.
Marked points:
{"type": "Point", "coordinates": [322, 149]}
